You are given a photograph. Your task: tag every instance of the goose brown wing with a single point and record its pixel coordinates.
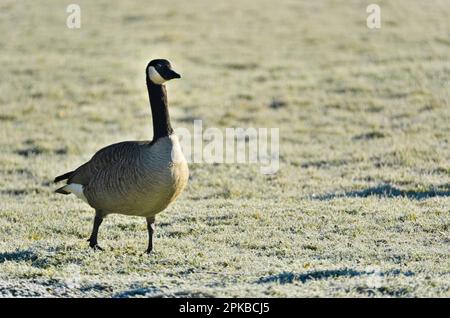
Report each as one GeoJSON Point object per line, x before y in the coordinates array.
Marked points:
{"type": "Point", "coordinates": [112, 155]}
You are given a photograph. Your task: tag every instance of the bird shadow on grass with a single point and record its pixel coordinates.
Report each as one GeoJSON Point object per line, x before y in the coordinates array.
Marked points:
{"type": "Point", "coordinates": [155, 292]}
{"type": "Point", "coordinates": [24, 256]}
{"type": "Point", "coordinates": [388, 191]}
{"type": "Point", "coordinates": [289, 277]}
{"type": "Point", "coordinates": [18, 256]}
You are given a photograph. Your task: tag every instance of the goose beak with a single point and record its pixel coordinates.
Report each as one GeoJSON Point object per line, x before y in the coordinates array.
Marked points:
{"type": "Point", "coordinates": [168, 74]}
{"type": "Point", "coordinates": [174, 74]}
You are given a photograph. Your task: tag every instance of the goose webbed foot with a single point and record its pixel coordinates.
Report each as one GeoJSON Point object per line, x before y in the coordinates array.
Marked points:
{"type": "Point", "coordinates": [95, 246]}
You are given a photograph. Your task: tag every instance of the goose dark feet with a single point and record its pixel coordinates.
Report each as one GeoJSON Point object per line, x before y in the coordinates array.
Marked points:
{"type": "Point", "coordinates": [95, 246]}
{"type": "Point", "coordinates": [93, 239]}
{"type": "Point", "coordinates": [151, 231]}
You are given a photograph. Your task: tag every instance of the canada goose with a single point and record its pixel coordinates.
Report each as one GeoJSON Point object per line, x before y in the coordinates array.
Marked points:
{"type": "Point", "coordinates": [135, 177]}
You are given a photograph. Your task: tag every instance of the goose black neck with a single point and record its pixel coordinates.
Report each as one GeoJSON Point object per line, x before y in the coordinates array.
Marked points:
{"type": "Point", "coordinates": [160, 112]}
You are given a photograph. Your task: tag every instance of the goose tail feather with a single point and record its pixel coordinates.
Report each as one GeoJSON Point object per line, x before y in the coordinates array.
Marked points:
{"type": "Point", "coordinates": [63, 176]}
{"type": "Point", "coordinates": [62, 190]}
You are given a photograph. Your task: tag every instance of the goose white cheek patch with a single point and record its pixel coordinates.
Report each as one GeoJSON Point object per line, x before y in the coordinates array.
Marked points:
{"type": "Point", "coordinates": [154, 76]}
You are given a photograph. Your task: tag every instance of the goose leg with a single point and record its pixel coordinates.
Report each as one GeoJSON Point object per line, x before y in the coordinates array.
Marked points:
{"type": "Point", "coordinates": [151, 230]}
{"type": "Point", "coordinates": [93, 239]}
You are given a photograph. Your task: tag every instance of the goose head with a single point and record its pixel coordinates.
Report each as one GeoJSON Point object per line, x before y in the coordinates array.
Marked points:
{"type": "Point", "coordinates": [160, 71]}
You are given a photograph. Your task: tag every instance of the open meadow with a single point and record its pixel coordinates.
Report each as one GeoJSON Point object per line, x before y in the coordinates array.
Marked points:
{"type": "Point", "coordinates": [360, 206]}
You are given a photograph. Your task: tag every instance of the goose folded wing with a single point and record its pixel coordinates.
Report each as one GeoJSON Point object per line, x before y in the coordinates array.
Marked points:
{"type": "Point", "coordinates": [117, 154]}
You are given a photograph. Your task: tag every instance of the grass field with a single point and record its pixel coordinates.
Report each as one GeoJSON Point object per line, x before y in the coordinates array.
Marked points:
{"type": "Point", "coordinates": [361, 203]}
